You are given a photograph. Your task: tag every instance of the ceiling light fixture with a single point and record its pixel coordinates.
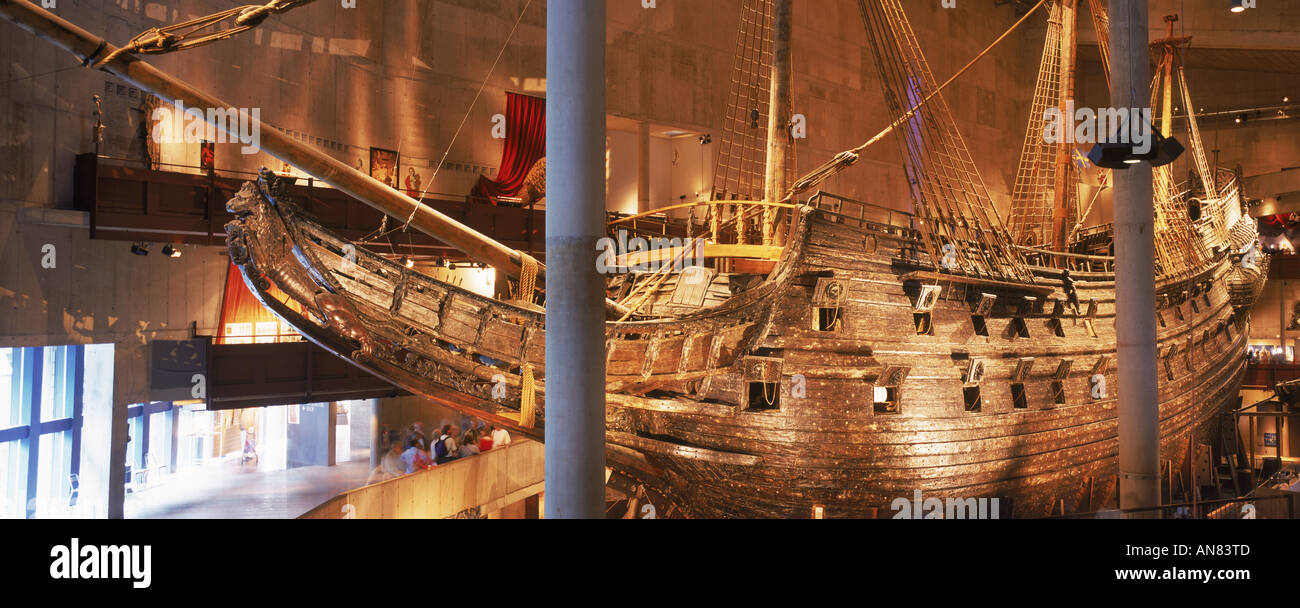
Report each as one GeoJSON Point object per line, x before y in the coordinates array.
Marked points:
{"type": "Point", "coordinates": [137, 249]}
{"type": "Point", "coordinates": [170, 251]}
{"type": "Point", "coordinates": [1122, 155]}
{"type": "Point", "coordinates": [1238, 6]}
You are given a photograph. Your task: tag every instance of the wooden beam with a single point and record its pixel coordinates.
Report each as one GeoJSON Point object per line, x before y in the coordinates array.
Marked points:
{"type": "Point", "coordinates": [927, 276]}
{"type": "Point", "coordinates": [709, 250]}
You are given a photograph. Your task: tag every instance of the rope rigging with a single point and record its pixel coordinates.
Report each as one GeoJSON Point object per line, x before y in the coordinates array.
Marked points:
{"type": "Point", "coordinates": [177, 37]}
{"type": "Point", "coordinates": [846, 158]}
{"type": "Point", "coordinates": [959, 227]}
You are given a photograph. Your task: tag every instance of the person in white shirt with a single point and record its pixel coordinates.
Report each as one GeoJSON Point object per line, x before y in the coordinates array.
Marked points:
{"type": "Point", "coordinates": [450, 448]}
{"type": "Point", "coordinates": [500, 438]}
{"type": "Point", "coordinates": [391, 465]}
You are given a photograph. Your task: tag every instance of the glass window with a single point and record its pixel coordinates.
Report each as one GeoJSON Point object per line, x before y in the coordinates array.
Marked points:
{"type": "Point", "coordinates": [239, 333]}
{"type": "Point", "coordinates": [160, 441]}
{"type": "Point", "coordinates": [53, 476]}
{"type": "Point", "coordinates": [56, 402]}
{"type": "Point", "coordinates": [266, 331]}
{"type": "Point", "coordinates": [11, 494]}
{"type": "Point", "coordinates": [9, 415]}
{"type": "Point", "coordinates": [135, 444]}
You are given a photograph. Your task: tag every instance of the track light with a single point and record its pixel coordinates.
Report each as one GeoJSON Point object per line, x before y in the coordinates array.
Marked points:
{"type": "Point", "coordinates": [1237, 6]}
{"type": "Point", "coordinates": [1122, 155]}
{"type": "Point", "coordinates": [137, 249]}
{"type": "Point", "coordinates": [408, 262]}
{"type": "Point", "coordinates": [1240, 118]}
{"type": "Point", "coordinates": [170, 251]}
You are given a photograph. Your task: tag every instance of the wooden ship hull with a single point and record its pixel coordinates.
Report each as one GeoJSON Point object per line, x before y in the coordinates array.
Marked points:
{"type": "Point", "coordinates": [855, 374]}
{"type": "Point", "coordinates": [883, 355]}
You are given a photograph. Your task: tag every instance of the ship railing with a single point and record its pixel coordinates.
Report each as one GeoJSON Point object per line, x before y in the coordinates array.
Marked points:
{"type": "Point", "coordinates": [716, 227]}
{"type": "Point", "coordinates": [860, 214]}
{"type": "Point", "coordinates": [1278, 506]}
{"type": "Point", "coordinates": [660, 225]}
{"type": "Point", "coordinates": [1059, 260]}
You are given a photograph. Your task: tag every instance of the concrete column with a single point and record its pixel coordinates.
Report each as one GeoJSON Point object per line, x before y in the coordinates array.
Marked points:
{"type": "Point", "coordinates": [1135, 323]}
{"type": "Point", "coordinates": [331, 434]}
{"type": "Point", "coordinates": [376, 442]}
{"type": "Point", "coordinates": [575, 292]}
{"type": "Point", "coordinates": [97, 415]}
{"type": "Point", "coordinates": [643, 168]}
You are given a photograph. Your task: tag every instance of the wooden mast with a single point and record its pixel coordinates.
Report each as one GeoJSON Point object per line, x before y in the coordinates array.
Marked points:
{"type": "Point", "coordinates": [1064, 187]}
{"type": "Point", "coordinates": [778, 117]}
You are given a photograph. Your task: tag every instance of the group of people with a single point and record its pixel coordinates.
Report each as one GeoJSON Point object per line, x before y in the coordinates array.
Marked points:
{"type": "Point", "coordinates": [416, 451]}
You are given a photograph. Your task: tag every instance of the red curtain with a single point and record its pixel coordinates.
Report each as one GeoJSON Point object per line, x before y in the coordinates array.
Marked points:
{"type": "Point", "coordinates": [525, 144]}
{"type": "Point", "coordinates": [238, 305]}
{"type": "Point", "coordinates": [1281, 219]}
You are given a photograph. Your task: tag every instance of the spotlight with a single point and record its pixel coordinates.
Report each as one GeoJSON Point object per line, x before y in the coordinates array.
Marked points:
{"type": "Point", "coordinates": [1285, 99]}
{"type": "Point", "coordinates": [1240, 119]}
{"type": "Point", "coordinates": [138, 250]}
{"type": "Point", "coordinates": [451, 266]}
{"type": "Point", "coordinates": [706, 139]}
{"type": "Point", "coordinates": [1237, 6]}
{"type": "Point", "coordinates": [408, 262]}
{"type": "Point", "coordinates": [441, 263]}
{"type": "Point", "coordinates": [753, 118]}
{"type": "Point", "coordinates": [170, 251]}
{"type": "Point", "coordinates": [1121, 155]}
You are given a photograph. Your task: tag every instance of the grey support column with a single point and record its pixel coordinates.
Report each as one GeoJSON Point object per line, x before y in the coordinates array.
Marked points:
{"type": "Point", "coordinates": [575, 292]}
{"type": "Point", "coordinates": [376, 441]}
{"type": "Point", "coordinates": [1135, 323]}
{"type": "Point", "coordinates": [99, 470]}
{"type": "Point", "coordinates": [643, 168]}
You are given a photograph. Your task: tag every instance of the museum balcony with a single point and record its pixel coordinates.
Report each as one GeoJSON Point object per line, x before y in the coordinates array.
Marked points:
{"type": "Point", "coordinates": [127, 201]}
{"type": "Point", "coordinates": [1283, 265]}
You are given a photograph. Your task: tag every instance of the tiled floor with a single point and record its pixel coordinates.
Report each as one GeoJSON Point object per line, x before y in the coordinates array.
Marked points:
{"type": "Point", "coordinates": [226, 490]}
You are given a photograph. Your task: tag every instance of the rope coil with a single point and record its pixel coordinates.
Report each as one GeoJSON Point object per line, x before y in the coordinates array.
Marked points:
{"type": "Point", "coordinates": [527, 277]}
{"type": "Point", "coordinates": [527, 397]}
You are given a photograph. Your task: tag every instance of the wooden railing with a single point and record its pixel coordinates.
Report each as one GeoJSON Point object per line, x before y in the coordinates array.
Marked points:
{"type": "Point", "coordinates": [180, 205]}
{"type": "Point", "coordinates": [1268, 375]}
{"type": "Point", "coordinates": [1059, 260]}
{"type": "Point", "coordinates": [471, 486]}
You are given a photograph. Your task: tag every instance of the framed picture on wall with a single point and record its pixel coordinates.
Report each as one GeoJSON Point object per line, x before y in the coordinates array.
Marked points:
{"type": "Point", "coordinates": [207, 155]}
{"type": "Point", "coordinates": [384, 166]}
{"type": "Point", "coordinates": [293, 413]}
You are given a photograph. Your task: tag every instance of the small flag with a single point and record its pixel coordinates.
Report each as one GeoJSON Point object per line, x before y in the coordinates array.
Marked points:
{"type": "Point", "coordinates": [1080, 160]}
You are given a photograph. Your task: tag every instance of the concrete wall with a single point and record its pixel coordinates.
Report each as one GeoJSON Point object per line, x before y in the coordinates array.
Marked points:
{"type": "Point", "coordinates": [309, 441]}
{"type": "Point", "coordinates": [401, 74]}
{"type": "Point", "coordinates": [98, 292]}
{"type": "Point", "coordinates": [1222, 77]}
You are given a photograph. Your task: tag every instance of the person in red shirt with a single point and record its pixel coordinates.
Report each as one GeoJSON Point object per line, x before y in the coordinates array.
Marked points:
{"type": "Point", "coordinates": [485, 441]}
